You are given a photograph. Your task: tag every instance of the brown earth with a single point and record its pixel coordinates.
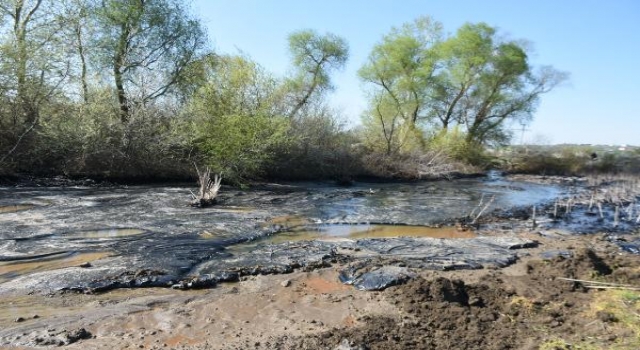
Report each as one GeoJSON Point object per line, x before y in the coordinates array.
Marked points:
{"type": "Point", "coordinates": [524, 306]}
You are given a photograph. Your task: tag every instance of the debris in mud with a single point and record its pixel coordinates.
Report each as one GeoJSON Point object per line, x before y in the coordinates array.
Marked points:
{"type": "Point", "coordinates": [165, 236]}
{"type": "Point", "coordinates": [627, 243]}
{"type": "Point", "coordinates": [552, 254]}
{"type": "Point", "coordinates": [383, 262]}
{"type": "Point", "coordinates": [377, 278]}
{"type": "Point", "coordinates": [61, 338]}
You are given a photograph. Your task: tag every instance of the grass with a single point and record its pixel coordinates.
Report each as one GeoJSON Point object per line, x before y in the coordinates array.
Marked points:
{"type": "Point", "coordinates": [560, 344]}
{"type": "Point", "coordinates": [624, 306]}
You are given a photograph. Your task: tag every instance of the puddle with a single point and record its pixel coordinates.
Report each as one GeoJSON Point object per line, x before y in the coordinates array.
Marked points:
{"type": "Point", "coordinates": [366, 231]}
{"type": "Point", "coordinates": [10, 270]}
{"type": "Point", "coordinates": [15, 208]}
{"type": "Point", "coordinates": [110, 233]}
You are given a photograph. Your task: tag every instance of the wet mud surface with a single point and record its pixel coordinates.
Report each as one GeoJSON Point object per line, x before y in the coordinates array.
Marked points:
{"type": "Point", "coordinates": [385, 266]}
{"type": "Point", "coordinates": [528, 305]}
{"type": "Point", "coordinates": [154, 239]}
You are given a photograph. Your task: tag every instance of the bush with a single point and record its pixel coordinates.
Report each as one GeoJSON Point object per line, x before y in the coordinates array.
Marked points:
{"type": "Point", "coordinates": [317, 146]}
{"type": "Point", "coordinates": [415, 165]}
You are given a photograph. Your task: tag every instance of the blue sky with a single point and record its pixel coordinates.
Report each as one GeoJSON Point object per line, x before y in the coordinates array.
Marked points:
{"type": "Point", "coordinates": [597, 42]}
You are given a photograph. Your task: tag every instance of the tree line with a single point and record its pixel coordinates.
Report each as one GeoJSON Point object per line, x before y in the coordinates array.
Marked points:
{"type": "Point", "coordinates": [130, 88]}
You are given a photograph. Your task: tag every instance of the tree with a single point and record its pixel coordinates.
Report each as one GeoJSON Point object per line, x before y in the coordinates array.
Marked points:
{"type": "Point", "coordinates": [232, 116]}
{"type": "Point", "coordinates": [147, 44]}
{"type": "Point", "coordinates": [485, 82]}
{"type": "Point", "coordinates": [32, 68]}
{"type": "Point", "coordinates": [77, 17]}
{"type": "Point", "coordinates": [422, 82]}
{"type": "Point", "coordinates": [314, 57]}
{"type": "Point", "coordinates": [400, 70]}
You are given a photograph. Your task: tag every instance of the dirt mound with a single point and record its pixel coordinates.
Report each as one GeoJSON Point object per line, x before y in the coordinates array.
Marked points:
{"type": "Point", "coordinates": [500, 312]}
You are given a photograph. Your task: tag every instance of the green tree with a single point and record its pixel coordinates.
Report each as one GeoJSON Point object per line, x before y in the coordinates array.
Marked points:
{"type": "Point", "coordinates": [485, 82]}
{"type": "Point", "coordinates": [147, 46]}
{"type": "Point", "coordinates": [32, 67]}
{"type": "Point", "coordinates": [233, 118]}
{"type": "Point", "coordinates": [314, 57]}
{"type": "Point", "coordinates": [400, 71]}
{"type": "Point", "coordinates": [422, 83]}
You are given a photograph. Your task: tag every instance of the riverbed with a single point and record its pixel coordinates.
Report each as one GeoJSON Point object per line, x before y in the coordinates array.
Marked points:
{"type": "Point", "coordinates": [88, 234]}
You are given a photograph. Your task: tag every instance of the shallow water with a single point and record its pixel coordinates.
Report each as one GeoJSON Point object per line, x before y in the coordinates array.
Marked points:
{"type": "Point", "coordinates": [13, 269]}
{"type": "Point", "coordinates": [110, 233]}
{"type": "Point", "coordinates": [340, 231]}
{"type": "Point", "coordinates": [153, 227]}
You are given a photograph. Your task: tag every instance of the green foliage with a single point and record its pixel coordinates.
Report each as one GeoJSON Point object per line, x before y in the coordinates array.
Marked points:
{"type": "Point", "coordinates": [473, 80]}
{"type": "Point", "coordinates": [317, 146]}
{"type": "Point", "coordinates": [454, 143]}
{"type": "Point", "coordinates": [314, 57]}
{"type": "Point", "coordinates": [123, 88]}
{"type": "Point", "coordinates": [233, 117]}
{"type": "Point", "coordinates": [318, 54]}
{"type": "Point", "coordinates": [400, 70]}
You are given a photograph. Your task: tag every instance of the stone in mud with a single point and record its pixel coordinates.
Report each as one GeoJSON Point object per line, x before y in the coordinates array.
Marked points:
{"type": "Point", "coordinates": [378, 278]}
{"type": "Point", "coordinates": [345, 344]}
{"type": "Point", "coordinates": [629, 244]}
{"type": "Point", "coordinates": [552, 254]}
{"type": "Point", "coordinates": [62, 338]}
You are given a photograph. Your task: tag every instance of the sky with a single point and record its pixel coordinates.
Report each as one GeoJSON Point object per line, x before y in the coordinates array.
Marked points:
{"type": "Point", "coordinates": [597, 42]}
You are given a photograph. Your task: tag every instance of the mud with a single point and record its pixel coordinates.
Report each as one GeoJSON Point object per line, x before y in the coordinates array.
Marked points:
{"type": "Point", "coordinates": [370, 259]}
{"type": "Point", "coordinates": [295, 254]}
{"type": "Point", "coordinates": [524, 306]}
{"type": "Point", "coordinates": [157, 240]}
{"type": "Point", "coordinates": [500, 312]}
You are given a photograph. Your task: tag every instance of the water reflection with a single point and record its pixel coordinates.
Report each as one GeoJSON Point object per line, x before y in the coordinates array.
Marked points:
{"type": "Point", "coordinates": [13, 269]}
{"type": "Point", "coordinates": [109, 233]}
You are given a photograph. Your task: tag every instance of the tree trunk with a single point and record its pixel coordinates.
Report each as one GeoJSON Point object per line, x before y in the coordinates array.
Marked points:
{"type": "Point", "coordinates": [83, 63]}
{"type": "Point", "coordinates": [118, 64]}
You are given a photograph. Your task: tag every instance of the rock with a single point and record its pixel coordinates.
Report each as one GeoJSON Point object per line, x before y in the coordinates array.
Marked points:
{"type": "Point", "coordinates": [382, 278]}
{"type": "Point", "coordinates": [345, 344]}
{"type": "Point", "coordinates": [285, 283]}
{"type": "Point", "coordinates": [552, 254]}
{"type": "Point", "coordinates": [78, 334]}
{"type": "Point", "coordinates": [64, 337]}
{"type": "Point", "coordinates": [19, 319]}
{"type": "Point", "coordinates": [85, 265]}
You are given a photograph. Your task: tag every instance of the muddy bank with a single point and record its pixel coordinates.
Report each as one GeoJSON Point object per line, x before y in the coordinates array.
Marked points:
{"type": "Point", "coordinates": [524, 306]}
{"type": "Point", "coordinates": [537, 310]}
{"type": "Point", "coordinates": [148, 236]}
{"type": "Point", "coordinates": [97, 239]}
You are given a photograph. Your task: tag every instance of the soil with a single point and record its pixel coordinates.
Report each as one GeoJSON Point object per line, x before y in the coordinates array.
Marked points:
{"type": "Point", "coordinates": [521, 306]}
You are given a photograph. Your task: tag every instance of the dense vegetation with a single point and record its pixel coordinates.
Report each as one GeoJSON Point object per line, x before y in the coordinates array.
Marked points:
{"type": "Point", "coordinates": [130, 89]}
